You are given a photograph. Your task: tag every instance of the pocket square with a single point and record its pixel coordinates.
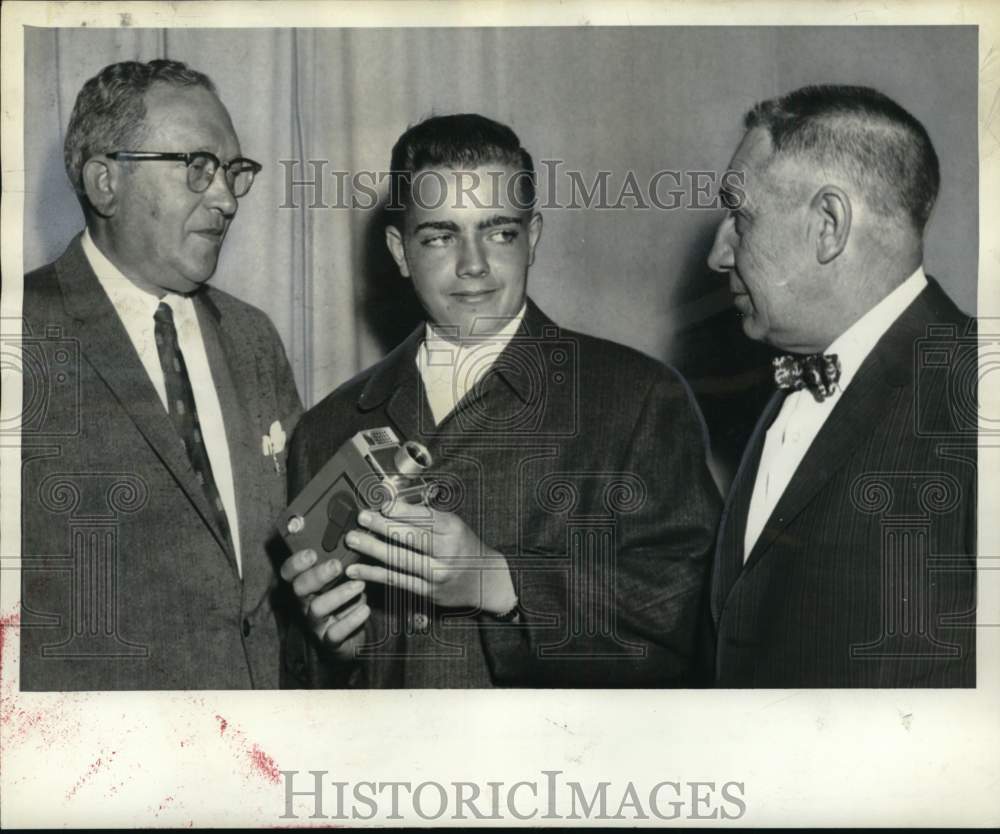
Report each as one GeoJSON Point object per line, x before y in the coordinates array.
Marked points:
{"type": "Point", "coordinates": [273, 443]}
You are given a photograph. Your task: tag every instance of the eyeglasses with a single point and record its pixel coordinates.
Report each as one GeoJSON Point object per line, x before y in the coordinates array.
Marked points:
{"type": "Point", "coordinates": [201, 168]}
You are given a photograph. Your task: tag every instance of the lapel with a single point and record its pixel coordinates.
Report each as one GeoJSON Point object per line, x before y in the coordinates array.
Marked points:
{"type": "Point", "coordinates": [396, 385]}
{"type": "Point", "coordinates": [733, 524]}
{"type": "Point", "coordinates": [882, 379]}
{"type": "Point", "coordinates": [107, 347]}
{"type": "Point", "coordinates": [509, 386]}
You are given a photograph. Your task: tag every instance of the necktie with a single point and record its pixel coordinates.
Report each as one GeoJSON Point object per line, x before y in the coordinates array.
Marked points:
{"type": "Point", "coordinates": [818, 372]}
{"type": "Point", "coordinates": [181, 407]}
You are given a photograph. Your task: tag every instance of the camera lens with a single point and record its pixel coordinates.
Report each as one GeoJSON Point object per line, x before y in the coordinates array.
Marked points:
{"type": "Point", "coordinates": [412, 458]}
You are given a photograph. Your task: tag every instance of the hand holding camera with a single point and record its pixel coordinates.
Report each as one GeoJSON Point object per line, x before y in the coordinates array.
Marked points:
{"type": "Point", "coordinates": [442, 559]}
{"type": "Point", "coordinates": [376, 482]}
{"type": "Point", "coordinates": [370, 468]}
{"type": "Point", "coordinates": [335, 611]}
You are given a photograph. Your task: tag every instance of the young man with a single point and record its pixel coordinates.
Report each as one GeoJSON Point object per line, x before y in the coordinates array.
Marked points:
{"type": "Point", "coordinates": [579, 508]}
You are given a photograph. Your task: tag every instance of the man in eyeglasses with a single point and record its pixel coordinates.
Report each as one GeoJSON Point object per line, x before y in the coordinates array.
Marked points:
{"type": "Point", "coordinates": [155, 409]}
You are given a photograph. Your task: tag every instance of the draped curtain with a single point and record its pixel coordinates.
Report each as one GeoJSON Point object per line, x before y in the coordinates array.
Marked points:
{"type": "Point", "coordinates": [620, 100]}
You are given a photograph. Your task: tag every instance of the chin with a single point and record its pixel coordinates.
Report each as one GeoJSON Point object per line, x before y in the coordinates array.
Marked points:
{"type": "Point", "coordinates": [200, 273]}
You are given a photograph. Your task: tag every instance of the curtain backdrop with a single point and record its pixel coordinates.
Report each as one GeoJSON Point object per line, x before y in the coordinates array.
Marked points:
{"type": "Point", "coordinates": [621, 100]}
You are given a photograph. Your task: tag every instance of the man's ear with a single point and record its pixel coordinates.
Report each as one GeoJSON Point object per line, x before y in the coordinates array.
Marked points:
{"type": "Point", "coordinates": [394, 240]}
{"type": "Point", "coordinates": [100, 182]}
{"type": "Point", "coordinates": [534, 235]}
{"type": "Point", "coordinates": [832, 208]}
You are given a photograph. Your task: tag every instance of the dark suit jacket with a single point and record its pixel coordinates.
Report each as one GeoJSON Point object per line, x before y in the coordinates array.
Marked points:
{"type": "Point", "coordinates": [864, 574]}
{"type": "Point", "coordinates": [584, 463]}
{"type": "Point", "coordinates": [127, 582]}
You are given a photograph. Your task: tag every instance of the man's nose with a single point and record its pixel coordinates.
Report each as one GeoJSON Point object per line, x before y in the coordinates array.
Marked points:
{"type": "Point", "coordinates": [219, 195]}
{"type": "Point", "coordinates": [472, 262]}
{"type": "Point", "coordinates": [721, 258]}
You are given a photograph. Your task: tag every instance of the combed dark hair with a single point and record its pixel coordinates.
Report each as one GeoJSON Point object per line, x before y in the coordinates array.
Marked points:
{"type": "Point", "coordinates": [864, 134]}
{"type": "Point", "coordinates": [110, 109]}
{"type": "Point", "coordinates": [460, 141]}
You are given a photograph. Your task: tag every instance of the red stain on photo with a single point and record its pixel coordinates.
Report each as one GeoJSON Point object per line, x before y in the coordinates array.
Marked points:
{"type": "Point", "coordinates": [10, 622]}
{"type": "Point", "coordinates": [17, 721]}
{"type": "Point", "coordinates": [95, 767]}
{"type": "Point", "coordinates": [265, 765]}
{"type": "Point", "coordinates": [260, 763]}
{"type": "Point", "coordinates": [20, 725]}
{"type": "Point", "coordinates": [163, 805]}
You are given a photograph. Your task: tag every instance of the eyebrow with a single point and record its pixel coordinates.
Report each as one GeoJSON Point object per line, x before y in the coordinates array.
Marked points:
{"type": "Point", "coordinates": [451, 226]}
{"type": "Point", "coordinates": [499, 220]}
{"type": "Point", "coordinates": [440, 225]}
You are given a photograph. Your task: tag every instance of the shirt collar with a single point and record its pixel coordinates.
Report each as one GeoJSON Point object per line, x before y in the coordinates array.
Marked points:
{"type": "Point", "coordinates": [496, 342]}
{"type": "Point", "coordinates": [854, 344]}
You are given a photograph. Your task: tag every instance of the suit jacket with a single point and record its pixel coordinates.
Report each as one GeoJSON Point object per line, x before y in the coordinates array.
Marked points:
{"type": "Point", "coordinates": [584, 463]}
{"type": "Point", "coordinates": [127, 582]}
{"type": "Point", "coordinates": [864, 575]}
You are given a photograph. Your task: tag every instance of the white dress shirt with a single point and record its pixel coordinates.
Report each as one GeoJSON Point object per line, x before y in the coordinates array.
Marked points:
{"type": "Point", "coordinates": [135, 308]}
{"type": "Point", "coordinates": [801, 417]}
{"type": "Point", "coordinates": [449, 371]}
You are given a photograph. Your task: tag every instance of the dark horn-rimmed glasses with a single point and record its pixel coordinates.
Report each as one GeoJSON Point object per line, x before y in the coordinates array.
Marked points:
{"type": "Point", "coordinates": [201, 168]}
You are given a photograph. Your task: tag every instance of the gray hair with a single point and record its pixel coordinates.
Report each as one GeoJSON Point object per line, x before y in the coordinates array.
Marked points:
{"type": "Point", "coordinates": [110, 109]}
{"type": "Point", "coordinates": [885, 151]}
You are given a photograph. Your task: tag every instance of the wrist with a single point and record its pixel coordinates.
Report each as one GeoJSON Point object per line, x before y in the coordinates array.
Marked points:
{"type": "Point", "coordinates": [512, 615]}
{"type": "Point", "coordinates": [502, 597]}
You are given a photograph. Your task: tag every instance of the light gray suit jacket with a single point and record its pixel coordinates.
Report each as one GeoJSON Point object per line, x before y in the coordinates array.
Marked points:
{"type": "Point", "coordinates": [127, 582]}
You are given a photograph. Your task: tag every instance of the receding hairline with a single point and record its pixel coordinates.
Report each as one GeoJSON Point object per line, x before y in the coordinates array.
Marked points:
{"type": "Point", "coordinates": [110, 110]}
{"type": "Point", "coordinates": [769, 187]}
{"type": "Point", "coordinates": [862, 135]}
{"type": "Point", "coordinates": [170, 93]}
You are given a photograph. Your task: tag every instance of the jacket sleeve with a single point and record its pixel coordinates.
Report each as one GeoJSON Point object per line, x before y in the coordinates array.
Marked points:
{"type": "Point", "coordinates": [626, 611]}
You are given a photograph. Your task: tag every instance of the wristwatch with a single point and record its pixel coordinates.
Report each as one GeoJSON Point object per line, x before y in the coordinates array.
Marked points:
{"type": "Point", "coordinates": [509, 616]}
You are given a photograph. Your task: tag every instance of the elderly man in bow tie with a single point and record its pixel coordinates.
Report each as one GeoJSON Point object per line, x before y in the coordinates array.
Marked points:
{"type": "Point", "coordinates": [846, 551]}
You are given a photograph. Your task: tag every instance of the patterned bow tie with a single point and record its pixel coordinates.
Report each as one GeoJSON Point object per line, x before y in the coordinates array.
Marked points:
{"type": "Point", "coordinates": [818, 372]}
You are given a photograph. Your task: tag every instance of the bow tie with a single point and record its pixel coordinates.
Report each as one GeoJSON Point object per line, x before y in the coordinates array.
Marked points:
{"type": "Point", "coordinates": [818, 372]}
